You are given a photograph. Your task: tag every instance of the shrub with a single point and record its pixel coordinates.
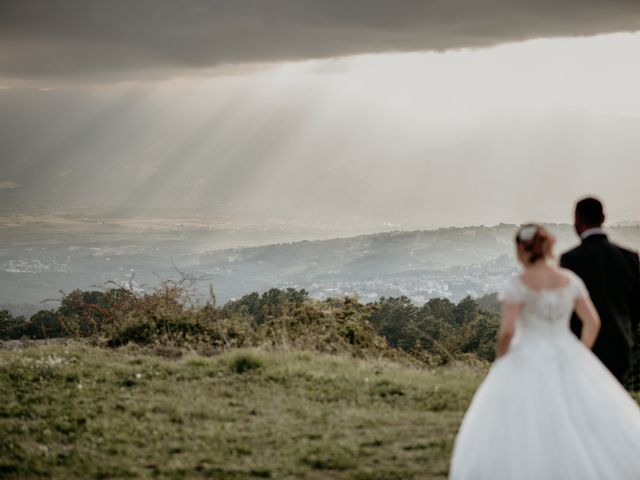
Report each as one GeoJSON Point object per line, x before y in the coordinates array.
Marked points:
{"type": "Point", "coordinates": [11, 327]}
{"type": "Point", "coordinates": [632, 381]}
{"type": "Point", "coordinates": [245, 362]}
{"type": "Point", "coordinates": [152, 330]}
{"type": "Point", "coordinates": [435, 333]}
{"type": "Point", "coordinates": [439, 331]}
{"type": "Point", "coordinates": [45, 324]}
{"type": "Point", "coordinates": [89, 312]}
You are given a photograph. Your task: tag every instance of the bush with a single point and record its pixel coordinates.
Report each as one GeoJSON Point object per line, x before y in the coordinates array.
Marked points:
{"type": "Point", "coordinates": [11, 327]}
{"type": "Point", "coordinates": [271, 304]}
{"type": "Point", "coordinates": [89, 312]}
{"type": "Point", "coordinates": [332, 327]}
{"type": "Point", "coordinates": [436, 333]}
{"type": "Point", "coordinates": [632, 381]}
{"type": "Point", "coordinates": [245, 362]}
{"type": "Point", "coordinates": [45, 324]}
{"type": "Point", "coordinates": [439, 331]}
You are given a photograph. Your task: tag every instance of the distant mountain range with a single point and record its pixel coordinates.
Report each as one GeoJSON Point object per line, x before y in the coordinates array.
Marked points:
{"type": "Point", "coordinates": [39, 261]}
{"type": "Point", "coordinates": [448, 262]}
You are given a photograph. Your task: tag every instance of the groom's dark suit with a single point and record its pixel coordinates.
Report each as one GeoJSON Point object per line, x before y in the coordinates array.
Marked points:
{"type": "Point", "coordinates": [612, 276]}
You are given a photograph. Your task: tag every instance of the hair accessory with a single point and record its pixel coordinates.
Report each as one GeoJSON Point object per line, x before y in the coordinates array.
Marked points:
{"type": "Point", "coordinates": [527, 233]}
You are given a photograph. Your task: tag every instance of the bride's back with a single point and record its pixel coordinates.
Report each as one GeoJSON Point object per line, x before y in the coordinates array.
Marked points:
{"type": "Point", "coordinates": [545, 277]}
{"type": "Point", "coordinates": [546, 296]}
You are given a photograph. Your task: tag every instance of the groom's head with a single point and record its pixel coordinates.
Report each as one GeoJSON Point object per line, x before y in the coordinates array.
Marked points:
{"type": "Point", "coordinates": [589, 214]}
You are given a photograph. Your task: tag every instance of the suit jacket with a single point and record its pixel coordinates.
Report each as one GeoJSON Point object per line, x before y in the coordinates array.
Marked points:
{"type": "Point", "coordinates": [612, 276]}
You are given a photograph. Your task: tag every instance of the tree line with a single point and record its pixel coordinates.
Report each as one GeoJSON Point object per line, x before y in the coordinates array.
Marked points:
{"type": "Point", "coordinates": [437, 332]}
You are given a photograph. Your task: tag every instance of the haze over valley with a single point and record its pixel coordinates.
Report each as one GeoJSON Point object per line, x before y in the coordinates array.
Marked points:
{"type": "Point", "coordinates": [44, 253]}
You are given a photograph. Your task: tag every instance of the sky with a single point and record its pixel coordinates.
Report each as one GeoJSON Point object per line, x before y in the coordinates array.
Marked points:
{"type": "Point", "coordinates": [405, 114]}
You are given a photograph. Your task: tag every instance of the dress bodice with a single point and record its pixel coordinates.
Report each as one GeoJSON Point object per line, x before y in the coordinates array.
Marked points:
{"type": "Point", "coordinates": [546, 310]}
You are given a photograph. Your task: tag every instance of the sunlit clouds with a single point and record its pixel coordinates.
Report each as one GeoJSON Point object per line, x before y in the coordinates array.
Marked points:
{"type": "Point", "coordinates": [509, 133]}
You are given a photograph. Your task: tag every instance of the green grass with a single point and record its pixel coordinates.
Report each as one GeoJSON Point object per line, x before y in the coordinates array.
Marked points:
{"type": "Point", "coordinates": [75, 411]}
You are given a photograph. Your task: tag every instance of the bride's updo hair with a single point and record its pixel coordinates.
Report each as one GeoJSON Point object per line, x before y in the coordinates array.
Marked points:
{"type": "Point", "coordinates": [536, 241]}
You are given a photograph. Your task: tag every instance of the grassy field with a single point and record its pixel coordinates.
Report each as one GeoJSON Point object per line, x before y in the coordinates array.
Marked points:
{"type": "Point", "coordinates": [75, 411]}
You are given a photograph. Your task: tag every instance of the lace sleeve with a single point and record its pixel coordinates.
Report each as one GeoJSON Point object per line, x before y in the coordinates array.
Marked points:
{"type": "Point", "coordinates": [512, 291]}
{"type": "Point", "coordinates": [579, 288]}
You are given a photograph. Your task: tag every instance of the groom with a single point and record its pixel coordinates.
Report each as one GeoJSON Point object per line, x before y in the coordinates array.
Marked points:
{"type": "Point", "coordinates": [612, 276]}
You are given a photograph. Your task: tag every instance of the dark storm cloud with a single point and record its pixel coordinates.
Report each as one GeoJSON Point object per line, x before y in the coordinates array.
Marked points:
{"type": "Point", "coordinates": [64, 38]}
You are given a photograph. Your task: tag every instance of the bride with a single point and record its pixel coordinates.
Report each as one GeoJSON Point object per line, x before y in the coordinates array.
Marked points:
{"type": "Point", "coordinates": [548, 408]}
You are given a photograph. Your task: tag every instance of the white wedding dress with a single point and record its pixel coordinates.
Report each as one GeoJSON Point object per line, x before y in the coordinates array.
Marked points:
{"type": "Point", "coordinates": [548, 409]}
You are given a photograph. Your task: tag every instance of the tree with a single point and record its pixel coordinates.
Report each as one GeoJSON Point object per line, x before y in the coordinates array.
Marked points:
{"type": "Point", "coordinates": [465, 311]}
{"type": "Point", "coordinates": [87, 312]}
{"type": "Point", "coordinates": [479, 336]}
{"type": "Point", "coordinates": [45, 324]}
{"type": "Point", "coordinates": [11, 327]}
{"type": "Point", "coordinates": [392, 317]}
{"type": "Point", "coordinates": [441, 308]}
{"type": "Point", "coordinates": [489, 303]}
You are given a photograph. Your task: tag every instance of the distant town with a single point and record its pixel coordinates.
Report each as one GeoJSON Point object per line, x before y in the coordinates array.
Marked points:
{"type": "Point", "coordinates": [41, 258]}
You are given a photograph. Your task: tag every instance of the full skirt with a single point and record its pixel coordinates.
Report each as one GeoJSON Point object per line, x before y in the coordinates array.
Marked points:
{"type": "Point", "coordinates": [547, 410]}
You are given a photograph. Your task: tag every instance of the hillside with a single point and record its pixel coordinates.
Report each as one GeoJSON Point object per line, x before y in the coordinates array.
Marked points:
{"type": "Point", "coordinates": [421, 264]}
{"type": "Point", "coordinates": [277, 385]}
{"type": "Point", "coordinates": [70, 411]}
{"type": "Point", "coordinates": [40, 257]}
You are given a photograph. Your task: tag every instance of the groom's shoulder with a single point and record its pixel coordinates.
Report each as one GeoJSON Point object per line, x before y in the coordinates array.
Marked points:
{"type": "Point", "coordinates": [632, 255]}
{"type": "Point", "coordinates": [625, 250]}
{"type": "Point", "coordinates": [573, 253]}
{"type": "Point", "coordinates": [585, 250]}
